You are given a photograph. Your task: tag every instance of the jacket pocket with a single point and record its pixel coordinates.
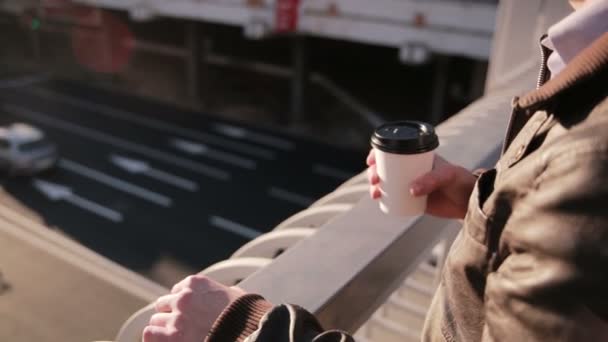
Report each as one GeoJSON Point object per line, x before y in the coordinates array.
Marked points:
{"type": "Point", "coordinates": [476, 222]}
{"type": "Point", "coordinates": [464, 274]}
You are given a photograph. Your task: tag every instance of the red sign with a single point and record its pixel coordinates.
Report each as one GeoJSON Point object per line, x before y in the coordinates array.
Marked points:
{"type": "Point", "coordinates": [101, 41]}
{"type": "Point", "coordinates": [105, 48]}
{"type": "Point", "coordinates": [287, 13]}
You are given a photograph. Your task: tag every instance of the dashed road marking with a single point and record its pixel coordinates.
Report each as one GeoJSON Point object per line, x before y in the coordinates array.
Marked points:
{"type": "Point", "coordinates": [243, 133]}
{"type": "Point", "coordinates": [57, 192]}
{"type": "Point", "coordinates": [125, 115]}
{"type": "Point", "coordinates": [198, 149]}
{"type": "Point", "coordinates": [234, 227]}
{"type": "Point", "coordinates": [116, 183]}
{"type": "Point", "coordinates": [92, 134]}
{"type": "Point", "coordinates": [289, 196]}
{"type": "Point", "coordinates": [141, 167]}
{"type": "Point", "coordinates": [24, 81]}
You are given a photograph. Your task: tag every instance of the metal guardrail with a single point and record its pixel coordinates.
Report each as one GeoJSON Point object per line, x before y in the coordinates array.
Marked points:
{"type": "Point", "coordinates": [345, 271]}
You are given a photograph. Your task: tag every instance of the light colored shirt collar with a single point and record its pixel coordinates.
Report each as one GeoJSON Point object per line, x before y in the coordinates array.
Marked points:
{"type": "Point", "coordinates": [574, 33]}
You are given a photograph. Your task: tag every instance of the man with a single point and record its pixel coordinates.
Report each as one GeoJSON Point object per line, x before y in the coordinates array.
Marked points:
{"type": "Point", "coordinates": [531, 262]}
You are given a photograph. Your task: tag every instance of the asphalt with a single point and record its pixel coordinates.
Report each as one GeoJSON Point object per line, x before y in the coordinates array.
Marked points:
{"type": "Point", "coordinates": [195, 189]}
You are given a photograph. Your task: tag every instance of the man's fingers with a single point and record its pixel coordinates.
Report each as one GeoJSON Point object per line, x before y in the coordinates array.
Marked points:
{"type": "Point", "coordinates": [160, 319]}
{"type": "Point", "coordinates": [195, 283]}
{"type": "Point", "coordinates": [432, 181]}
{"type": "Point", "coordinates": [179, 286]}
{"type": "Point", "coordinates": [187, 282]}
{"type": "Point", "coordinates": [374, 192]}
{"type": "Point", "coordinates": [155, 334]}
{"type": "Point", "coordinates": [371, 158]}
{"type": "Point", "coordinates": [372, 175]}
{"type": "Point", "coordinates": [165, 303]}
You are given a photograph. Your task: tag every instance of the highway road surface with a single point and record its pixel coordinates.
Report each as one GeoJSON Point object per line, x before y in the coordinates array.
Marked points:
{"type": "Point", "coordinates": [140, 181]}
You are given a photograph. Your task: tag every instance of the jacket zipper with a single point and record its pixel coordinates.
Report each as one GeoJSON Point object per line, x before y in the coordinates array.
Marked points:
{"type": "Point", "coordinates": [543, 75]}
{"type": "Point", "coordinates": [514, 113]}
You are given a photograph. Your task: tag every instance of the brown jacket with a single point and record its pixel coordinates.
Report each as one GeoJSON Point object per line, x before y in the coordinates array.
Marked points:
{"type": "Point", "coordinates": [531, 262]}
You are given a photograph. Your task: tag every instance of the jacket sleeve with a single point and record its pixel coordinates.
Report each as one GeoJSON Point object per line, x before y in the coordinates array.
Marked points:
{"type": "Point", "coordinates": [552, 284]}
{"type": "Point", "coordinates": [253, 319]}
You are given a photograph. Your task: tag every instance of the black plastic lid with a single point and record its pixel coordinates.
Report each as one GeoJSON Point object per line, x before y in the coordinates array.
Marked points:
{"type": "Point", "coordinates": [405, 137]}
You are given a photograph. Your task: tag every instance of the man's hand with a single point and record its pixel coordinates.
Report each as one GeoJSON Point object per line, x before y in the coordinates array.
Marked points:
{"type": "Point", "coordinates": [188, 313]}
{"type": "Point", "coordinates": [448, 187]}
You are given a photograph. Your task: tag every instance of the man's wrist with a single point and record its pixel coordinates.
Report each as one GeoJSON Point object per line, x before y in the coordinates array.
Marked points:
{"type": "Point", "coordinates": [240, 319]}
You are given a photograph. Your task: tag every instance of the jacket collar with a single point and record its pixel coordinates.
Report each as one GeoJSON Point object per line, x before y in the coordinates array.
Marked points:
{"type": "Point", "coordinates": [590, 63]}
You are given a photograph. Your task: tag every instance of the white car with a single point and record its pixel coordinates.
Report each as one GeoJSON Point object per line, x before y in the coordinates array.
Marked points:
{"type": "Point", "coordinates": [24, 150]}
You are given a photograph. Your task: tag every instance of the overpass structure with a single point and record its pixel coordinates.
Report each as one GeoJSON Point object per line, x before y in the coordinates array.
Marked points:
{"type": "Point", "coordinates": [415, 28]}
{"type": "Point", "coordinates": [419, 31]}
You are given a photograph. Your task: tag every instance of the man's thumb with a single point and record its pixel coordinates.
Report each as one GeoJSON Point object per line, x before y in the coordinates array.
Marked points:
{"type": "Point", "coordinates": [431, 181]}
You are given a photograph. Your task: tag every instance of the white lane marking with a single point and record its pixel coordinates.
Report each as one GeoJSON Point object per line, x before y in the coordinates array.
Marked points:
{"type": "Point", "coordinates": [116, 183]}
{"type": "Point", "coordinates": [197, 149]}
{"type": "Point", "coordinates": [57, 192]}
{"type": "Point", "coordinates": [140, 167]}
{"type": "Point", "coordinates": [24, 81]}
{"type": "Point", "coordinates": [330, 171]}
{"type": "Point", "coordinates": [289, 196]}
{"type": "Point", "coordinates": [233, 227]}
{"type": "Point", "coordinates": [189, 146]}
{"type": "Point", "coordinates": [125, 115]}
{"type": "Point", "coordinates": [92, 134]}
{"type": "Point", "coordinates": [243, 133]}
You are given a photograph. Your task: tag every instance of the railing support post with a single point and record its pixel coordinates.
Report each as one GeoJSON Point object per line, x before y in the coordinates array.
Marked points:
{"type": "Point", "coordinates": [440, 83]}
{"type": "Point", "coordinates": [192, 62]}
{"type": "Point", "coordinates": [299, 80]}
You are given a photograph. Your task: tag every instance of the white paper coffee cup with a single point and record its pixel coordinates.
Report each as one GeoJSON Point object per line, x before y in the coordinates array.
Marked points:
{"type": "Point", "coordinates": [404, 151]}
